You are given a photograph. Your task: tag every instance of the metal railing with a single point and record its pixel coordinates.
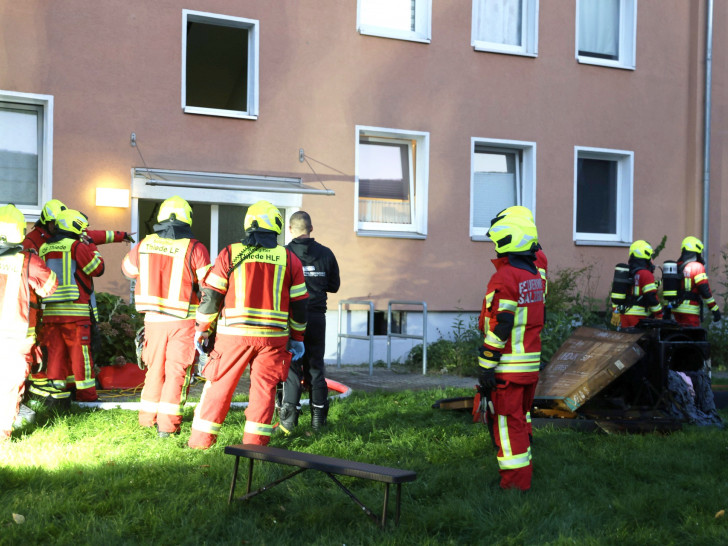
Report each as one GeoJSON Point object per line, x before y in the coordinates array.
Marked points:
{"type": "Point", "coordinates": [423, 337]}
{"type": "Point", "coordinates": [369, 337]}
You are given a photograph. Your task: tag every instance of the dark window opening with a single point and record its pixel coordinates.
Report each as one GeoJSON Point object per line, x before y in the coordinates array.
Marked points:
{"type": "Point", "coordinates": [380, 323]}
{"type": "Point", "coordinates": [596, 196]}
{"type": "Point", "coordinates": [217, 66]}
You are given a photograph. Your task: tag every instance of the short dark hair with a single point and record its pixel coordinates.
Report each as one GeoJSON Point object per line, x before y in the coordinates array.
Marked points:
{"type": "Point", "coordinates": [301, 221]}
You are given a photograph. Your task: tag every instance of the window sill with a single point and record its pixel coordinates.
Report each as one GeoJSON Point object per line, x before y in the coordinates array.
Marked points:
{"type": "Point", "coordinates": [604, 62]}
{"type": "Point", "coordinates": [219, 113]}
{"type": "Point", "coordinates": [583, 242]}
{"type": "Point", "coordinates": [480, 239]}
{"type": "Point", "coordinates": [488, 49]}
{"type": "Point", "coordinates": [394, 35]}
{"type": "Point", "coordinates": [392, 234]}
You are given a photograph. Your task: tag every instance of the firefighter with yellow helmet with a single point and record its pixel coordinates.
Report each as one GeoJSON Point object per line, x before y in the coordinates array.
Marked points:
{"type": "Point", "coordinates": [22, 274]}
{"type": "Point", "coordinates": [45, 227]}
{"type": "Point", "coordinates": [512, 318]}
{"type": "Point", "coordinates": [254, 296]}
{"type": "Point", "coordinates": [168, 267]}
{"type": "Point", "coordinates": [67, 313]}
{"type": "Point", "coordinates": [541, 261]}
{"type": "Point", "coordinates": [694, 290]}
{"type": "Point", "coordinates": [641, 298]}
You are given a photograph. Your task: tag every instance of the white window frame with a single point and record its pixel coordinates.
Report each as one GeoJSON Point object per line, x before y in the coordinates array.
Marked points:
{"type": "Point", "coordinates": [527, 177]}
{"type": "Point", "coordinates": [529, 31]}
{"type": "Point", "coordinates": [45, 172]}
{"type": "Point", "coordinates": [627, 39]}
{"type": "Point", "coordinates": [419, 175]}
{"type": "Point", "coordinates": [625, 187]}
{"type": "Point", "coordinates": [253, 28]}
{"type": "Point", "coordinates": [423, 24]}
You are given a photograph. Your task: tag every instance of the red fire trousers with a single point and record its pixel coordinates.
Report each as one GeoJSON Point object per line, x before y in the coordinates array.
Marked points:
{"type": "Point", "coordinates": [168, 353]}
{"type": "Point", "coordinates": [15, 368]}
{"type": "Point", "coordinates": [69, 354]}
{"type": "Point", "coordinates": [228, 360]}
{"type": "Point", "coordinates": [512, 404]}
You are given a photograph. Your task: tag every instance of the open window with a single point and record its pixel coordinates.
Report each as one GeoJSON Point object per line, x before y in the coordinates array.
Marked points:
{"type": "Point", "coordinates": [391, 188]}
{"type": "Point", "coordinates": [502, 175]}
{"type": "Point", "coordinates": [219, 65]}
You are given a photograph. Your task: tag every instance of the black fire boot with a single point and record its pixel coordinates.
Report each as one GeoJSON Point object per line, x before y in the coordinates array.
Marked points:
{"type": "Point", "coordinates": [288, 417]}
{"type": "Point", "coordinates": [319, 414]}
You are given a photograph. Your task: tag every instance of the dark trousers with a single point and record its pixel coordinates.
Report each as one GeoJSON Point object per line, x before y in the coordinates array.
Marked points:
{"type": "Point", "coordinates": [310, 368]}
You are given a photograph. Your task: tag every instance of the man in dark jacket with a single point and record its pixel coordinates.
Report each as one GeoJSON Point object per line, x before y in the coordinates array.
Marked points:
{"type": "Point", "coordinates": [321, 272]}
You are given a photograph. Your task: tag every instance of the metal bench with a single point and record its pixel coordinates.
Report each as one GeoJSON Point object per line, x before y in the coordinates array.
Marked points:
{"type": "Point", "coordinates": [322, 463]}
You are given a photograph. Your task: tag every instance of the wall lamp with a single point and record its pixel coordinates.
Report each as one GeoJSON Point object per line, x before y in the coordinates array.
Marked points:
{"type": "Point", "coordinates": [112, 197]}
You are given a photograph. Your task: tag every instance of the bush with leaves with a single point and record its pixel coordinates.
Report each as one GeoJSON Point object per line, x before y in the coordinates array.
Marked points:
{"type": "Point", "coordinates": [718, 331]}
{"type": "Point", "coordinates": [457, 354]}
{"type": "Point", "coordinates": [117, 326]}
{"type": "Point", "coordinates": [570, 303]}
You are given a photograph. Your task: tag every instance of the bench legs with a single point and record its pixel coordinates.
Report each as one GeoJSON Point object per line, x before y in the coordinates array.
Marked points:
{"type": "Point", "coordinates": [367, 511]}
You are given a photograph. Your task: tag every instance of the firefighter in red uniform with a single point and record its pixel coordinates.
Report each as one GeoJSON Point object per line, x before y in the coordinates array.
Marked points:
{"type": "Point", "coordinates": [263, 292]}
{"type": "Point", "coordinates": [695, 288]}
{"type": "Point", "coordinates": [66, 316]}
{"type": "Point", "coordinates": [642, 301]}
{"type": "Point", "coordinates": [22, 273]}
{"type": "Point", "coordinates": [510, 357]}
{"type": "Point", "coordinates": [168, 267]}
{"type": "Point", "coordinates": [542, 262]}
{"type": "Point", "coordinates": [45, 227]}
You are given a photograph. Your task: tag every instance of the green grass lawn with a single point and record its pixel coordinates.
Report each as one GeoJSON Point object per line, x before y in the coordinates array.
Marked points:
{"type": "Point", "coordinates": [95, 477]}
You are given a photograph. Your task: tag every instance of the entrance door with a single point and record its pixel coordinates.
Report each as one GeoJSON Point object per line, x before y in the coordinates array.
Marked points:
{"type": "Point", "coordinates": [214, 225]}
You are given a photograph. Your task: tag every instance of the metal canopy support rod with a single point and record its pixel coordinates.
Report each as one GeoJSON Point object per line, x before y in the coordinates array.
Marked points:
{"type": "Point", "coordinates": [369, 337]}
{"type": "Point", "coordinates": [423, 337]}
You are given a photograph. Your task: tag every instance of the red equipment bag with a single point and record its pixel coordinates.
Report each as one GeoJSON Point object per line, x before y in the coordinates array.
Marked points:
{"type": "Point", "coordinates": [127, 376]}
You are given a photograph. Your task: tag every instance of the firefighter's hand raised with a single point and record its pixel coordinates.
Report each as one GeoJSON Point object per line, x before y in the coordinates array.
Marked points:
{"type": "Point", "coordinates": [716, 315]}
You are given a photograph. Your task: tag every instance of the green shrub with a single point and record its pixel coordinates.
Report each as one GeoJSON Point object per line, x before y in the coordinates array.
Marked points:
{"type": "Point", "coordinates": [457, 354]}
{"type": "Point", "coordinates": [117, 327]}
{"type": "Point", "coordinates": [570, 303]}
{"type": "Point", "coordinates": [718, 331]}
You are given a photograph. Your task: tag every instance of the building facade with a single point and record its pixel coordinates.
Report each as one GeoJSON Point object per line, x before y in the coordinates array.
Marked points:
{"type": "Point", "coordinates": [401, 126]}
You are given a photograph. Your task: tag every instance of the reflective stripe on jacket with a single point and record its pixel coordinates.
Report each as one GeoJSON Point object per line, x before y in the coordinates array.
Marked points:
{"type": "Point", "coordinates": [20, 273]}
{"type": "Point", "coordinates": [260, 308]}
{"type": "Point", "coordinates": [74, 263]}
{"type": "Point", "coordinates": [167, 274]}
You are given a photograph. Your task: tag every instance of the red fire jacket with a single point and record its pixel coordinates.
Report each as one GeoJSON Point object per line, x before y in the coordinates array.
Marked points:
{"type": "Point", "coordinates": [514, 296]}
{"type": "Point", "coordinates": [75, 263]}
{"type": "Point", "coordinates": [264, 294]}
{"type": "Point", "coordinates": [22, 276]}
{"type": "Point", "coordinates": [168, 274]}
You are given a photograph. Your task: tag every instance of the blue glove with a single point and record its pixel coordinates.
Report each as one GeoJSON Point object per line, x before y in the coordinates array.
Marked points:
{"type": "Point", "coordinates": [200, 341]}
{"type": "Point", "coordinates": [296, 348]}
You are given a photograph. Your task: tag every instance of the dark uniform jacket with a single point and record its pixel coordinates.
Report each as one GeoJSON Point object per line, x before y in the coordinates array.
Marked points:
{"type": "Point", "coordinates": [320, 270]}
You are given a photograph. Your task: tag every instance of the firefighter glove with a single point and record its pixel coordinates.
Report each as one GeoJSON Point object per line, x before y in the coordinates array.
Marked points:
{"type": "Point", "coordinates": [295, 348]}
{"type": "Point", "coordinates": [128, 238]}
{"type": "Point", "coordinates": [488, 358]}
{"type": "Point", "coordinates": [201, 341]}
{"type": "Point", "coordinates": [716, 315]}
{"type": "Point", "coordinates": [486, 378]}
